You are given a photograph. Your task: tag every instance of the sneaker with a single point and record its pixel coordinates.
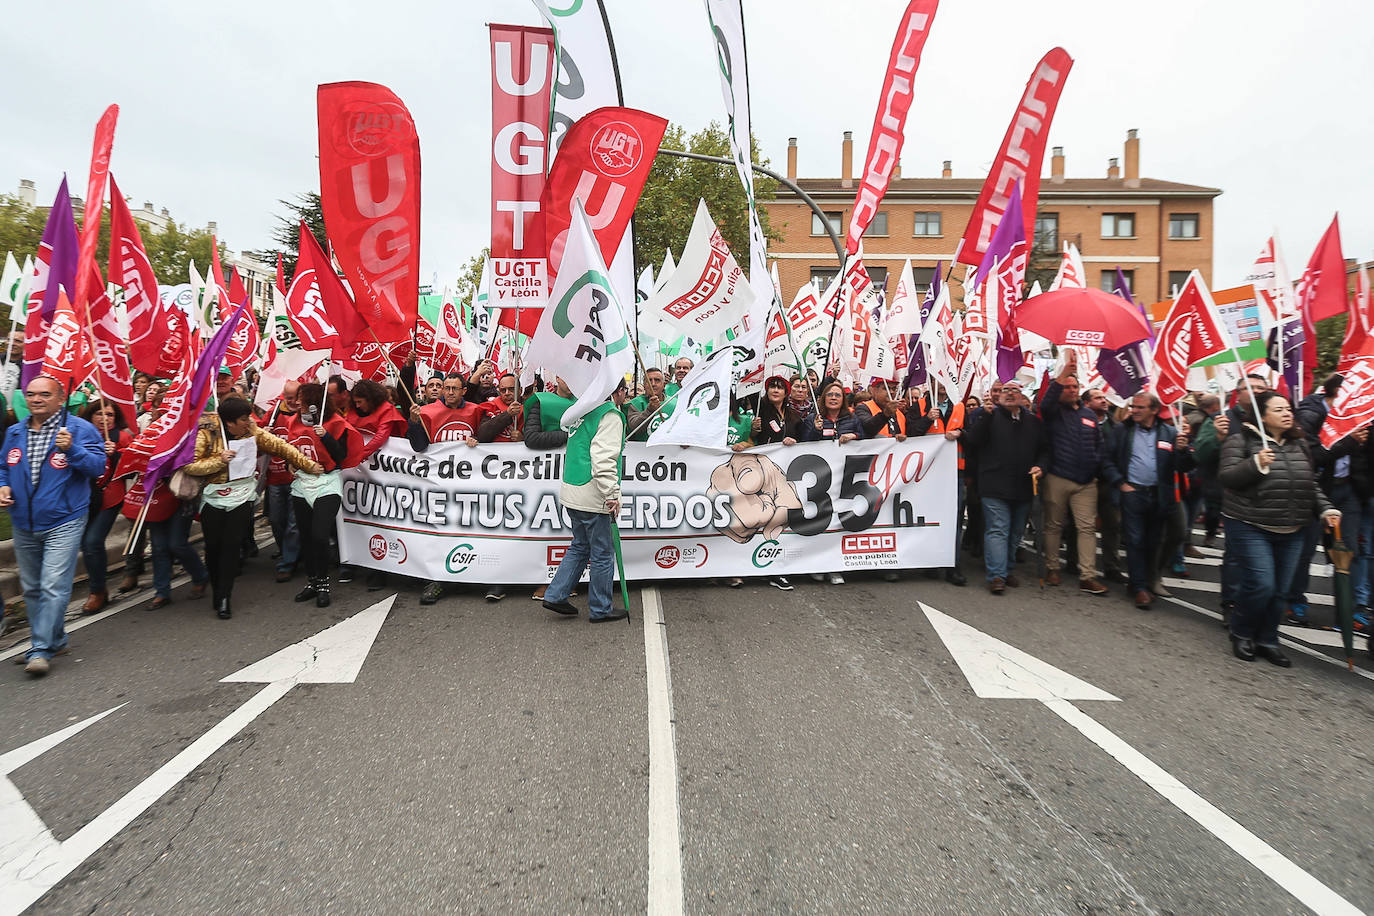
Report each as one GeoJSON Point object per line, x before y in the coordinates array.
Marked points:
{"type": "Point", "coordinates": [836, 579]}
{"type": "Point", "coordinates": [734, 582]}
{"type": "Point", "coordinates": [345, 575]}
{"type": "Point", "coordinates": [496, 593]}
{"type": "Point", "coordinates": [1092, 587]}
{"type": "Point", "coordinates": [1179, 568]}
{"type": "Point", "coordinates": [37, 666]}
{"type": "Point", "coordinates": [613, 615]}
{"type": "Point", "coordinates": [1296, 616]}
{"type": "Point", "coordinates": [818, 577]}
{"type": "Point", "coordinates": [432, 593]}
{"type": "Point", "coordinates": [1363, 622]}
{"type": "Point", "coordinates": [780, 582]}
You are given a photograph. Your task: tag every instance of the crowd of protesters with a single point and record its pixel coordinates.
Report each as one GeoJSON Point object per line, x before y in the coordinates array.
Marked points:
{"type": "Point", "coordinates": [1111, 493]}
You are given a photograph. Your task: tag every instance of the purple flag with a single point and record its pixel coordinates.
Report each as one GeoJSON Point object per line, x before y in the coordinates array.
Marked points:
{"type": "Point", "coordinates": [1294, 339]}
{"type": "Point", "coordinates": [1004, 238]}
{"type": "Point", "coordinates": [916, 359]}
{"type": "Point", "coordinates": [202, 383]}
{"type": "Point", "coordinates": [1126, 369]}
{"type": "Point", "coordinates": [57, 256]}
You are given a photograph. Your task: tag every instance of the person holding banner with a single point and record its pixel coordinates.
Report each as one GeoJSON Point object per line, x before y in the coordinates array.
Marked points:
{"type": "Point", "coordinates": [1270, 495]}
{"type": "Point", "coordinates": [322, 436]}
{"type": "Point", "coordinates": [231, 489]}
{"type": "Point", "coordinates": [776, 420]}
{"type": "Point", "coordinates": [108, 496]}
{"type": "Point", "coordinates": [543, 428]}
{"type": "Point", "coordinates": [280, 515]}
{"type": "Point", "coordinates": [45, 482]}
{"type": "Point", "coordinates": [645, 413]}
{"type": "Point", "coordinates": [505, 414]}
{"type": "Point", "coordinates": [591, 494]}
{"type": "Point", "coordinates": [835, 422]}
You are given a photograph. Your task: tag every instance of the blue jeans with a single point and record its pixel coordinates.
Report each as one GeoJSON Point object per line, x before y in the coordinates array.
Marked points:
{"type": "Point", "coordinates": [47, 565]}
{"type": "Point", "coordinates": [1004, 521]}
{"type": "Point", "coordinates": [1364, 560]}
{"type": "Point", "coordinates": [1142, 527]}
{"type": "Point", "coordinates": [591, 543]}
{"type": "Point", "coordinates": [1268, 559]}
{"type": "Point", "coordinates": [171, 539]}
{"type": "Point", "coordinates": [93, 545]}
{"type": "Point", "coordinates": [283, 521]}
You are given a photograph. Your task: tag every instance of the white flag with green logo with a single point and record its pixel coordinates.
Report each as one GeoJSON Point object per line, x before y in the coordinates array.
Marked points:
{"type": "Point", "coordinates": [582, 337]}
{"type": "Point", "coordinates": [13, 288]}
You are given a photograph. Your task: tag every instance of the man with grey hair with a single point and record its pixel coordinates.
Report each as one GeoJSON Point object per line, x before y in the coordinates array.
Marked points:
{"type": "Point", "coordinates": [1142, 458]}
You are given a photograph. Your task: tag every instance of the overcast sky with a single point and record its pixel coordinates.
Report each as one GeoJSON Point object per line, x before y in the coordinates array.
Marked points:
{"type": "Point", "coordinates": [1270, 101]}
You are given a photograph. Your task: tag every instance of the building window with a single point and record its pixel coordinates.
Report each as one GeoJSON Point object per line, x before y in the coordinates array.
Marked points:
{"type": "Point", "coordinates": [1176, 280]}
{"type": "Point", "coordinates": [1108, 280]}
{"type": "Point", "coordinates": [823, 276]}
{"type": "Point", "coordinates": [1047, 232]}
{"type": "Point", "coordinates": [1183, 225]}
{"type": "Point", "coordinates": [878, 275]}
{"type": "Point", "coordinates": [835, 219]}
{"type": "Point", "coordinates": [879, 224]}
{"type": "Point", "coordinates": [922, 277]}
{"type": "Point", "coordinates": [1118, 225]}
{"type": "Point", "coordinates": [927, 224]}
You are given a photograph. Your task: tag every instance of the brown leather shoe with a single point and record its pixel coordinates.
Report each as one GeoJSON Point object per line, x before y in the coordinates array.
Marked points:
{"type": "Point", "coordinates": [1092, 587]}
{"type": "Point", "coordinates": [1013, 582]}
{"type": "Point", "coordinates": [198, 588]}
{"type": "Point", "coordinates": [1143, 599]}
{"type": "Point", "coordinates": [128, 584]}
{"type": "Point", "coordinates": [95, 602]}
{"type": "Point", "coordinates": [159, 602]}
{"type": "Point", "coordinates": [997, 586]}
{"type": "Point", "coordinates": [1052, 577]}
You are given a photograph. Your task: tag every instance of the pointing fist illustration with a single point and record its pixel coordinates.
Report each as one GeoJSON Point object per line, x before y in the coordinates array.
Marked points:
{"type": "Point", "coordinates": [760, 495]}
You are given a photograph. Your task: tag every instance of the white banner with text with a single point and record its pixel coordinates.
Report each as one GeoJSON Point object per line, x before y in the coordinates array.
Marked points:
{"type": "Point", "coordinates": [490, 514]}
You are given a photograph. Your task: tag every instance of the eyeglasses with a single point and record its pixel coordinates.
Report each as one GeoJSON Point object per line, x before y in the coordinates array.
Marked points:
{"type": "Point", "coordinates": [505, 388]}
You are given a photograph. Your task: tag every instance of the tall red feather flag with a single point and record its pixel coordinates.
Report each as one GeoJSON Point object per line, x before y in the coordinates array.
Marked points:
{"type": "Point", "coordinates": [318, 305]}
{"type": "Point", "coordinates": [109, 352]}
{"type": "Point", "coordinates": [95, 201]}
{"type": "Point", "coordinates": [218, 272]}
{"type": "Point", "coordinates": [1019, 159]}
{"type": "Point", "coordinates": [281, 276]}
{"type": "Point", "coordinates": [1321, 293]}
{"type": "Point", "coordinates": [370, 195]}
{"type": "Point", "coordinates": [889, 123]}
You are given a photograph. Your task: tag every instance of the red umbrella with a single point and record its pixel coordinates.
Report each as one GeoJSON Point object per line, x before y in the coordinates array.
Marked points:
{"type": "Point", "coordinates": [1082, 317]}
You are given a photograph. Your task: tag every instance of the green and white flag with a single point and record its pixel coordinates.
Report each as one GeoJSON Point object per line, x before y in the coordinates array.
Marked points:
{"type": "Point", "coordinates": [582, 336]}
{"type": "Point", "coordinates": [14, 287]}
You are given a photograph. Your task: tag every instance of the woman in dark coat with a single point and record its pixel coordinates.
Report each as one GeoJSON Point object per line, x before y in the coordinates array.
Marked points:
{"type": "Point", "coordinates": [1270, 495]}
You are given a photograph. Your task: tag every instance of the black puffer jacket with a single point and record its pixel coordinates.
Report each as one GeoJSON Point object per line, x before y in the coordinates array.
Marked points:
{"type": "Point", "coordinates": [1007, 449]}
{"type": "Point", "coordinates": [1284, 499]}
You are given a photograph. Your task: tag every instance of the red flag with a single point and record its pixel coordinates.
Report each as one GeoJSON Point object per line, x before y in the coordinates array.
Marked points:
{"type": "Point", "coordinates": [178, 339]}
{"type": "Point", "coordinates": [218, 273]}
{"type": "Point", "coordinates": [238, 292]}
{"type": "Point", "coordinates": [281, 275]}
{"type": "Point", "coordinates": [1353, 406]}
{"type": "Point", "coordinates": [370, 195]}
{"type": "Point", "coordinates": [1360, 323]}
{"type": "Point", "coordinates": [1019, 159]}
{"type": "Point", "coordinates": [130, 268]}
{"type": "Point", "coordinates": [604, 161]}
{"type": "Point", "coordinates": [110, 352]}
{"type": "Point", "coordinates": [889, 123]}
{"type": "Point", "coordinates": [95, 200]}
{"type": "Point", "coordinates": [1190, 334]}
{"type": "Point", "coordinates": [166, 433]}
{"type": "Point", "coordinates": [317, 303]}
{"type": "Point", "coordinates": [66, 355]}
{"type": "Point", "coordinates": [243, 346]}
{"type": "Point", "coordinates": [1321, 291]}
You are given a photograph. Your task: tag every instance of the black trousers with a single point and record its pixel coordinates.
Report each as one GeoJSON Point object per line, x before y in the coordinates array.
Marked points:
{"type": "Point", "coordinates": [225, 530]}
{"type": "Point", "coordinates": [316, 524]}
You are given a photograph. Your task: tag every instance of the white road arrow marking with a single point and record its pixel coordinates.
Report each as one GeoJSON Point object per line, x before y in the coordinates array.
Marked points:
{"type": "Point", "coordinates": [34, 862]}
{"type": "Point", "coordinates": [999, 671]}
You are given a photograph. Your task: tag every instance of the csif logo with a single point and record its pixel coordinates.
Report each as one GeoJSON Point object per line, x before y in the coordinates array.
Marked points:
{"type": "Point", "coordinates": [460, 558]}
{"type": "Point", "coordinates": [766, 553]}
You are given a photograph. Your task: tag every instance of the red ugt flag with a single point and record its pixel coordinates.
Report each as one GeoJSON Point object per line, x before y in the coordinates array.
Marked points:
{"type": "Point", "coordinates": [1190, 334]}
{"type": "Point", "coordinates": [1354, 403]}
{"type": "Point", "coordinates": [131, 269]}
{"type": "Point", "coordinates": [317, 304]}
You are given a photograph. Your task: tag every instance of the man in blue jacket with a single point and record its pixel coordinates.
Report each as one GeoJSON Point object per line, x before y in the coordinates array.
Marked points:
{"type": "Point", "coordinates": [1142, 458]}
{"type": "Point", "coordinates": [1076, 450]}
{"type": "Point", "coordinates": [45, 482]}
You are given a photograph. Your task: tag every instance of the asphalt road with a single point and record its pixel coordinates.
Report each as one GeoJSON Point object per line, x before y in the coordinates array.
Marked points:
{"type": "Point", "coordinates": [831, 756]}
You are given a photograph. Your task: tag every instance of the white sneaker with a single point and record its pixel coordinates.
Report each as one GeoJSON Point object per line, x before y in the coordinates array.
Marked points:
{"type": "Point", "coordinates": [818, 577]}
{"type": "Point", "coordinates": [780, 582]}
{"type": "Point", "coordinates": [836, 579]}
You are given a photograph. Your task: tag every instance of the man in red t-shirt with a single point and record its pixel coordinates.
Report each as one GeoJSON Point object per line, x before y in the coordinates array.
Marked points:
{"type": "Point", "coordinates": [504, 413]}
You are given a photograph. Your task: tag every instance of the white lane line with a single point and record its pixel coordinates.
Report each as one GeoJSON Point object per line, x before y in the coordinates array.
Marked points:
{"type": "Point", "coordinates": [665, 842]}
{"type": "Point", "coordinates": [1315, 570]}
{"type": "Point", "coordinates": [1290, 643]}
{"type": "Point", "coordinates": [72, 626]}
{"type": "Point", "coordinates": [1195, 585]}
{"type": "Point", "coordinates": [1280, 869]}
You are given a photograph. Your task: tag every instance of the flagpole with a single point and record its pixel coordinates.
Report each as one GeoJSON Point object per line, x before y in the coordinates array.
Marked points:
{"type": "Point", "coordinates": [99, 379]}
{"type": "Point", "coordinates": [387, 353]}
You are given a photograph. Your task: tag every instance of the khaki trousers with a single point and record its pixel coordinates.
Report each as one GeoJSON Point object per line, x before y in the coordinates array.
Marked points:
{"type": "Point", "coordinates": [1061, 497]}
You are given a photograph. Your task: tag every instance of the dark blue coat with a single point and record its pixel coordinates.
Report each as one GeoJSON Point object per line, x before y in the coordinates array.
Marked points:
{"type": "Point", "coordinates": [64, 484]}
{"type": "Point", "coordinates": [1076, 445]}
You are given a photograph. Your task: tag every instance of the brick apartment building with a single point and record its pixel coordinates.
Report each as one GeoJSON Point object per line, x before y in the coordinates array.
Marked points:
{"type": "Point", "coordinates": [1155, 231]}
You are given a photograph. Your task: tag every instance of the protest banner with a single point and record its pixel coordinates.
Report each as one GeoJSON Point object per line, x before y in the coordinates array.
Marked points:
{"type": "Point", "coordinates": [490, 513]}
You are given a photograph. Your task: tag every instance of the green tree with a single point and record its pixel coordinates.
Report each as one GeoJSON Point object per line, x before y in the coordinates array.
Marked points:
{"type": "Point", "coordinates": [287, 234]}
{"type": "Point", "coordinates": [1330, 333]}
{"type": "Point", "coordinates": [469, 277]}
{"type": "Point", "coordinates": [664, 215]}
{"type": "Point", "coordinates": [171, 251]}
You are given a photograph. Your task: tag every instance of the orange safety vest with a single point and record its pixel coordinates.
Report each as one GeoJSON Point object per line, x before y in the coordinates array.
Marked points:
{"type": "Point", "coordinates": [940, 426]}
{"type": "Point", "coordinates": [874, 409]}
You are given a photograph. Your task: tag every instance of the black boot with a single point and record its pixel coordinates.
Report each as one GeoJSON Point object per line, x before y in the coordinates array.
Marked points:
{"type": "Point", "coordinates": [309, 591]}
{"type": "Point", "coordinates": [222, 609]}
{"type": "Point", "coordinates": [322, 592]}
